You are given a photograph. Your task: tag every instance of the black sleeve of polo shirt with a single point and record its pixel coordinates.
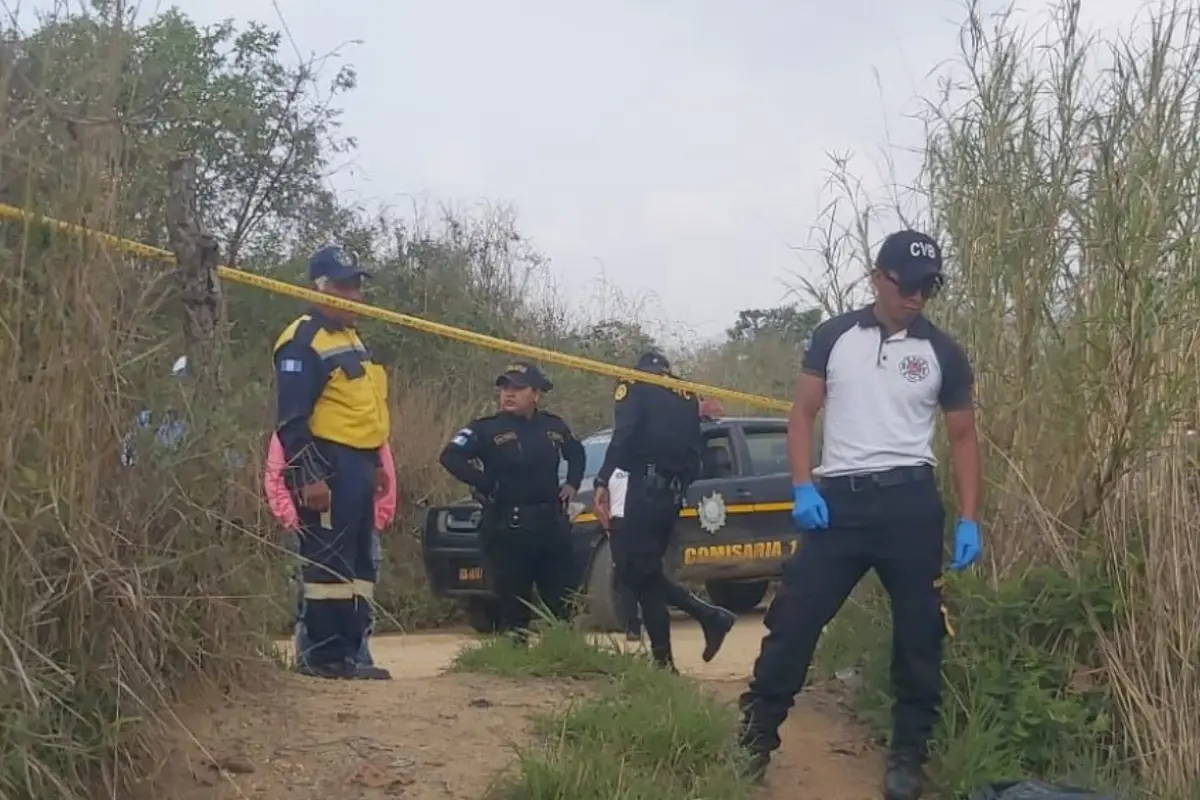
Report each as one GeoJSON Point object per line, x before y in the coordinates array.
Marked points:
{"type": "Point", "coordinates": [958, 379]}
{"type": "Point", "coordinates": [820, 344]}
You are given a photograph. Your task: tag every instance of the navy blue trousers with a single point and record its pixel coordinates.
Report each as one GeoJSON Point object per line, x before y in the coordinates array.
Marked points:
{"type": "Point", "coordinates": [338, 570]}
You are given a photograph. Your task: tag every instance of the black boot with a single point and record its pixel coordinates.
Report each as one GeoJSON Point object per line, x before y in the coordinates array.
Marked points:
{"type": "Point", "coordinates": [665, 661]}
{"type": "Point", "coordinates": [363, 672]}
{"type": "Point", "coordinates": [757, 758]}
{"type": "Point", "coordinates": [335, 670]}
{"type": "Point", "coordinates": [716, 626]}
{"type": "Point", "coordinates": [755, 766]}
{"type": "Point", "coordinates": [633, 631]}
{"type": "Point", "coordinates": [715, 621]}
{"type": "Point", "coordinates": [905, 780]}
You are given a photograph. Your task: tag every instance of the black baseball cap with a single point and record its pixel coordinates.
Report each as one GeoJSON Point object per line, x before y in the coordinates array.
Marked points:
{"type": "Point", "coordinates": [653, 361]}
{"type": "Point", "coordinates": [336, 263]}
{"type": "Point", "coordinates": [520, 374]}
{"type": "Point", "coordinates": [911, 255]}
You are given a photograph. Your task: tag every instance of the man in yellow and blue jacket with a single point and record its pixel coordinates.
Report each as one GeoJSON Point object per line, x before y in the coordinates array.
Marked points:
{"type": "Point", "coordinates": [333, 421]}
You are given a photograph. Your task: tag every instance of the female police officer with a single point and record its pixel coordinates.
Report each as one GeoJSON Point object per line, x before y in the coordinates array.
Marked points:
{"type": "Point", "coordinates": [525, 533]}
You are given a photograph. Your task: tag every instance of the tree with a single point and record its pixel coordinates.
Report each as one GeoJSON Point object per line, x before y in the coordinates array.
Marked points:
{"type": "Point", "coordinates": [262, 131]}
{"type": "Point", "coordinates": [787, 322]}
{"type": "Point", "coordinates": [613, 341]}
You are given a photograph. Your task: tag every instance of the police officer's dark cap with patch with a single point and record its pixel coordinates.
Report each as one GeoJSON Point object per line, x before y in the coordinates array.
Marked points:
{"type": "Point", "coordinates": [520, 374]}
{"type": "Point", "coordinates": [911, 256]}
{"type": "Point", "coordinates": [653, 361]}
{"type": "Point", "coordinates": [335, 263]}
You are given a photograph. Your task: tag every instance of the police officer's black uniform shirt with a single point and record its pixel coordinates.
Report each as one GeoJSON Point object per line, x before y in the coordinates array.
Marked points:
{"type": "Point", "coordinates": [654, 425]}
{"type": "Point", "coordinates": [519, 456]}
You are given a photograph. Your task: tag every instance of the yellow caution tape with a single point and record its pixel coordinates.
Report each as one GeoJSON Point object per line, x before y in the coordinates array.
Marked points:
{"type": "Point", "coordinates": [406, 320]}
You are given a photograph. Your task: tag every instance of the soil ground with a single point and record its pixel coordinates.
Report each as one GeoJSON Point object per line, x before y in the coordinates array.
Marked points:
{"type": "Point", "coordinates": [426, 735]}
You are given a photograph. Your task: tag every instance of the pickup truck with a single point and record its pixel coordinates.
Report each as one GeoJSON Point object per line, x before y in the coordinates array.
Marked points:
{"type": "Point", "coordinates": [734, 534]}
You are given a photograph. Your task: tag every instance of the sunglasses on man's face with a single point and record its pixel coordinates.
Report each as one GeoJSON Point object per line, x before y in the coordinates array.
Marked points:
{"type": "Point", "coordinates": [927, 286]}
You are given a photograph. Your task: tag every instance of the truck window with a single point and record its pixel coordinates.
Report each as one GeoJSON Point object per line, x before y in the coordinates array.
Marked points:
{"type": "Point", "coordinates": [594, 448]}
{"type": "Point", "coordinates": [768, 451]}
{"type": "Point", "coordinates": [716, 460]}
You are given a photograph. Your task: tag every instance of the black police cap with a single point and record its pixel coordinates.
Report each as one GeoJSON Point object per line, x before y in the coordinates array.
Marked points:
{"type": "Point", "coordinates": [653, 361]}
{"type": "Point", "coordinates": [520, 374]}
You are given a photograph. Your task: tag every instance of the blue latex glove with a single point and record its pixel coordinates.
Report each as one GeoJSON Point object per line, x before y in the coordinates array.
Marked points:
{"type": "Point", "coordinates": [809, 510]}
{"type": "Point", "coordinates": [967, 548]}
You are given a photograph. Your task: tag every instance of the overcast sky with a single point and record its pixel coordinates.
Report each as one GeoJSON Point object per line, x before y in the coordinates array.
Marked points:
{"type": "Point", "coordinates": [676, 148]}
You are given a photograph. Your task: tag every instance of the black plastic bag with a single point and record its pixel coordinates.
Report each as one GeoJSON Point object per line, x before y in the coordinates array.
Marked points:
{"type": "Point", "coordinates": [1036, 790]}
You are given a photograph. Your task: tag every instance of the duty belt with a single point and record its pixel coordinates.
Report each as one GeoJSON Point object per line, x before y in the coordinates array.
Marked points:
{"type": "Point", "coordinates": [659, 481]}
{"type": "Point", "coordinates": [511, 516]}
{"type": "Point", "coordinates": [863, 481]}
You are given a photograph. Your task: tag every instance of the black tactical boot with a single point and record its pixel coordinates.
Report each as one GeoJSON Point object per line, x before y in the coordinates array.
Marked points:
{"type": "Point", "coordinates": [715, 622]}
{"type": "Point", "coordinates": [633, 631]}
{"type": "Point", "coordinates": [371, 673]}
{"type": "Point", "coordinates": [716, 626]}
{"type": "Point", "coordinates": [665, 661]}
{"type": "Point", "coordinates": [905, 780]}
{"type": "Point", "coordinates": [756, 758]}
{"type": "Point", "coordinates": [755, 766]}
{"type": "Point", "coordinates": [336, 670]}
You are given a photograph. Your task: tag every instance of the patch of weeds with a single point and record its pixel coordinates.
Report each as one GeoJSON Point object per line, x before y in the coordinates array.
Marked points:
{"type": "Point", "coordinates": [1013, 706]}
{"type": "Point", "coordinates": [646, 735]}
{"type": "Point", "coordinates": [558, 651]}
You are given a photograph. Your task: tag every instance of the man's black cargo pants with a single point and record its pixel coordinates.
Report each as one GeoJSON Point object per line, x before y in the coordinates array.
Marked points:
{"type": "Point", "coordinates": [891, 522]}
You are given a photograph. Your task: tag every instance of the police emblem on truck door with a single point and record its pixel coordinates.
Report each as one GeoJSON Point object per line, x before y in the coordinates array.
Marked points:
{"type": "Point", "coordinates": [712, 513]}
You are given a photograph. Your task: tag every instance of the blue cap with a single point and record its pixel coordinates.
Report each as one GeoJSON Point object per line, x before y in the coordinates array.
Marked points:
{"type": "Point", "coordinates": [336, 263]}
{"type": "Point", "coordinates": [910, 254]}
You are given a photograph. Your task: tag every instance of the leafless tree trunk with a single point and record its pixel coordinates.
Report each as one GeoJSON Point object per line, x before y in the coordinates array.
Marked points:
{"type": "Point", "coordinates": [199, 287]}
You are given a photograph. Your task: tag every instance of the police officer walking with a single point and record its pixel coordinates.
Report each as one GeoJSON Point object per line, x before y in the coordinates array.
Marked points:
{"type": "Point", "coordinates": [656, 440]}
{"type": "Point", "coordinates": [880, 373]}
{"type": "Point", "coordinates": [333, 420]}
{"type": "Point", "coordinates": [525, 534]}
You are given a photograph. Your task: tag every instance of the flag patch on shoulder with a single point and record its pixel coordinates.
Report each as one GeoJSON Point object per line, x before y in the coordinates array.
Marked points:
{"type": "Point", "coordinates": [291, 365]}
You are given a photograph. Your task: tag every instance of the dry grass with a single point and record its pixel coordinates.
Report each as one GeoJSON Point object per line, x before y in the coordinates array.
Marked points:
{"type": "Point", "coordinates": [1062, 175]}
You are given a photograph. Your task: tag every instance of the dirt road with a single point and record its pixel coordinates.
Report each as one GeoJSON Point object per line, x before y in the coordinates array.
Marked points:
{"type": "Point", "coordinates": [432, 736]}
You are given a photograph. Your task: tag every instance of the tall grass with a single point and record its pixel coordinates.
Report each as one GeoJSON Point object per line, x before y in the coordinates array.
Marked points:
{"type": "Point", "coordinates": [1062, 176]}
{"type": "Point", "coordinates": [1068, 187]}
{"type": "Point", "coordinates": [121, 584]}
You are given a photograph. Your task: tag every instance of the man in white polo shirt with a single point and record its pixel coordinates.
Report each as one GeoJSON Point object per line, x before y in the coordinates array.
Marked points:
{"type": "Point", "coordinates": [880, 373]}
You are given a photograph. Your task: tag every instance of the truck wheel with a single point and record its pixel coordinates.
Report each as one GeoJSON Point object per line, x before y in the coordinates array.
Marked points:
{"type": "Point", "coordinates": [738, 596]}
{"type": "Point", "coordinates": [603, 614]}
{"type": "Point", "coordinates": [482, 614]}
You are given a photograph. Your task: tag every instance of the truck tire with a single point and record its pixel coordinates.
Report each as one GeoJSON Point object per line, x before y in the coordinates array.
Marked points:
{"type": "Point", "coordinates": [603, 614]}
{"type": "Point", "coordinates": [482, 614]}
{"type": "Point", "coordinates": [738, 596]}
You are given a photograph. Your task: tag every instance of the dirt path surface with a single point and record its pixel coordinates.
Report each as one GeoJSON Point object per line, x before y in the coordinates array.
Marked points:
{"type": "Point", "coordinates": [427, 735]}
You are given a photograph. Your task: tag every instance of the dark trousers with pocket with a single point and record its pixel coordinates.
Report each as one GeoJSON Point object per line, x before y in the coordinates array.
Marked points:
{"type": "Point", "coordinates": [892, 522]}
{"type": "Point", "coordinates": [627, 602]}
{"type": "Point", "coordinates": [638, 547]}
{"type": "Point", "coordinates": [336, 550]}
{"type": "Point", "coordinates": [523, 547]}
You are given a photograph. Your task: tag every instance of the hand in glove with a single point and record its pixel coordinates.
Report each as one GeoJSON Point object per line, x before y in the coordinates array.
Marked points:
{"type": "Point", "coordinates": [967, 548]}
{"type": "Point", "coordinates": [809, 510]}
